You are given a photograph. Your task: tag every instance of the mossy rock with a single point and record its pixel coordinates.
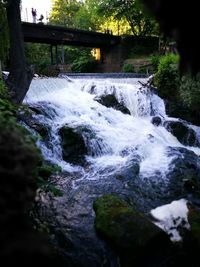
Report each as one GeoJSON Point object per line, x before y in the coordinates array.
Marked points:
{"type": "Point", "coordinates": [192, 237]}
{"type": "Point", "coordinates": [128, 231]}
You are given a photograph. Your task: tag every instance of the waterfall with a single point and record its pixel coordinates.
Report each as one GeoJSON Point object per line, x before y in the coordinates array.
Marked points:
{"type": "Point", "coordinates": [112, 138]}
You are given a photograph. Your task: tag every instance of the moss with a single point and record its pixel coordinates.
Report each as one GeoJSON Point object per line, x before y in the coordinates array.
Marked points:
{"type": "Point", "coordinates": [128, 231]}
{"type": "Point", "coordinates": [19, 158]}
{"type": "Point", "coordinates": [7, 109]}
{"type": "Point", "coordinates": [42, 174]}
{"type": "Point", "coordinates": [47, 170]}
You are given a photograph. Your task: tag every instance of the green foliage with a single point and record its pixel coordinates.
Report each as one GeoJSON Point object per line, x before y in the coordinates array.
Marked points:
{"type": "Point", "coordinates": [42, 174]}
{"type": "Point", "coordinates": [84, 19]}
{"type": "Point", "coordinates": [46, 170]}
{"type": "Point", "coordinates": [84, 64]}
{"type": "Point", "coordinates": [190, 91]}
{"type": "Point", "coordinates": [23, 142]}
{"type": "Point", "coordinates": [3, 90]}
{"type": "Point", "coordinates": [119, 16]}
{"type": "Point", "coordinates": [155, 60]}
{"type": "Point", "coordinates": [7, 109]}
{"type": "Point", "coordinates": [167, 78]}
{"type": "Point", "coordinates": [64, 12]}
{"type": "Point", "coordinates": [140, 23]}
{"type": "Point", "coordinates": [75, 14]}
{"type": "Point", "coordinates": [72, 53]}
{"type": "Point", "coordinates": [38, 55]}
{"type": "Point", "coordinates": [128, 67]}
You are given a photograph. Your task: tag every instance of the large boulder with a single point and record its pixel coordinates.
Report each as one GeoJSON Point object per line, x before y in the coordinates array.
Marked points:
{"type": "Point", "coordinates": [183, 174]}
{"type": "Point", "coordinates": [134, 237]}
{"type": "Point", "coordinates": [21, 244]}
{"type": "Point", "coordinates": [182, 132]}
{"type": "Point", "coordinates": [73, 146]}
{"type": "Point", "coordinates": [191, 237]}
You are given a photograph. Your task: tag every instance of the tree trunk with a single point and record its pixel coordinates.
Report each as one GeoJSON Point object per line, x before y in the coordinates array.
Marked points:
{"type": "Point", "coordinates": [0, 70]}
{"type": "Point", "coordinates": [20, 75]}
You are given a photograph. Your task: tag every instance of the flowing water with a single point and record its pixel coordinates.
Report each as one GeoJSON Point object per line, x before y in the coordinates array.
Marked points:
{"type": "Point", "coordinates": [126, 153]}
{"type": "Point", "coordinates": [114, 137]}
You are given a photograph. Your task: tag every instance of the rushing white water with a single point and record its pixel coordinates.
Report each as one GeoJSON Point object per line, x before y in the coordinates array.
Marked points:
{"type": "Point", "coordinates": [172, 216]}
{"type": "Point", "coordinates": [114, 137]}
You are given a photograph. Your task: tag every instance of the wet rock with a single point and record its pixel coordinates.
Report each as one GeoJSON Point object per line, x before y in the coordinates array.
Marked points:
{"type": "Point", "coordinates": [21, 244]}
{"type": "Point", "coordinates": [71, 223]}
{"type": "Point", "coordinates": [179, 110]}
{"type": "Point", "coordinates": [110, 101]}
{"type": "Point", "coordinates": [194, 232]}
{"type": "Point", "coordinates": [73, 146]}
{"type": "Point", "coordinates": [183, 175]}
{"type": "Point", "coordinates": [191, 238]}
{"type": "Point", "coordinates": [156, 121]}
{"type": "Point", "coordinates": [130, 172]}
{"type": "Point", "coordinates": [31, 121]}
{"type": "Point", "coordinates": [129, 232]}
{"type": "Point", "coordinates": [183, 133]}
{"type": "Point", "coordinates": [43, 108]}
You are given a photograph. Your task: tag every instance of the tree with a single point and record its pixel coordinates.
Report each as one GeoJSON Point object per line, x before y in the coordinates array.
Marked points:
{"type": "Point", "coordinates": [20, 75]}
{"type": "Point", "coordinates": [84, 20]}
{"type": "Point", "coordinates": [3, 35]}
{"type": "Point", "coordinates": [175, 22]}
{"type": "Point", "coordinates": [141, 23]}
{"type": "Point", "coordinates": [64, 11]}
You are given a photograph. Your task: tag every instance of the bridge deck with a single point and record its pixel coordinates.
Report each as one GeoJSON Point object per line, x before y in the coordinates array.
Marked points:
{"type": "Point", "coordinates": [49, 34]}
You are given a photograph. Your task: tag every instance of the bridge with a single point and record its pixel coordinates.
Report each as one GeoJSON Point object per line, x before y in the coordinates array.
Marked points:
{"type": "Point", "coordinates": [108, 45]}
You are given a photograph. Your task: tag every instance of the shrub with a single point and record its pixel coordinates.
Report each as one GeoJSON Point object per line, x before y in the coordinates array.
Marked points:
{"type": "Point", "coordinates": [167, 78]}
{"type": "Point", "coordinates": [190, 91]}
{"type": "Point", "coordinates": [155, 60]}
{"type": "Point", "coordinates": [84, 64]}
{"type": "Point", "coordinates": [7, 109]}
{"type": "Point", "coordinates": [128, 67]}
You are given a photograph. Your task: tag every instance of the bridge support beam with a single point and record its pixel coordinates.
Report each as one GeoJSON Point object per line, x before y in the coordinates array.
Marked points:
{"type": "Point", "coordinates": [52, 54]}
{"type": "Point", "coordinates": [111, 58]}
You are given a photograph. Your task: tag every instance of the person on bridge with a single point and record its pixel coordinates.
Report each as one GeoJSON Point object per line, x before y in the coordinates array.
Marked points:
{"type": "Point", "coordinates": [41, 18]}
{"type": "Point", "coordinates": [34, 14]}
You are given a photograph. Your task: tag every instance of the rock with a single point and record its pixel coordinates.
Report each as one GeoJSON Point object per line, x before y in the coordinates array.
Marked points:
{"type": "Point", "coordinates": [135, 238]}
{"type": "Point", "coordinates": [73, 146]}
{"type": "Point", "coordinates": [21, 244]}
{"type": "Point", "coordinates": [191, 240]}
{"type": "Point", "coordinates": [33, 123]}
{"type": "Point", "coordinates": [156, 121]}
{"type": "Point", "coordinates": [179, 110]}
{"type": "Point", "coordinates": [183, 175]}
{"type": "Point", "coordinates": [110, 101]}
{"type": "Point", "coordinates": [182, 132]}
{"type": "Point", "coordinates": [43, 108]}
